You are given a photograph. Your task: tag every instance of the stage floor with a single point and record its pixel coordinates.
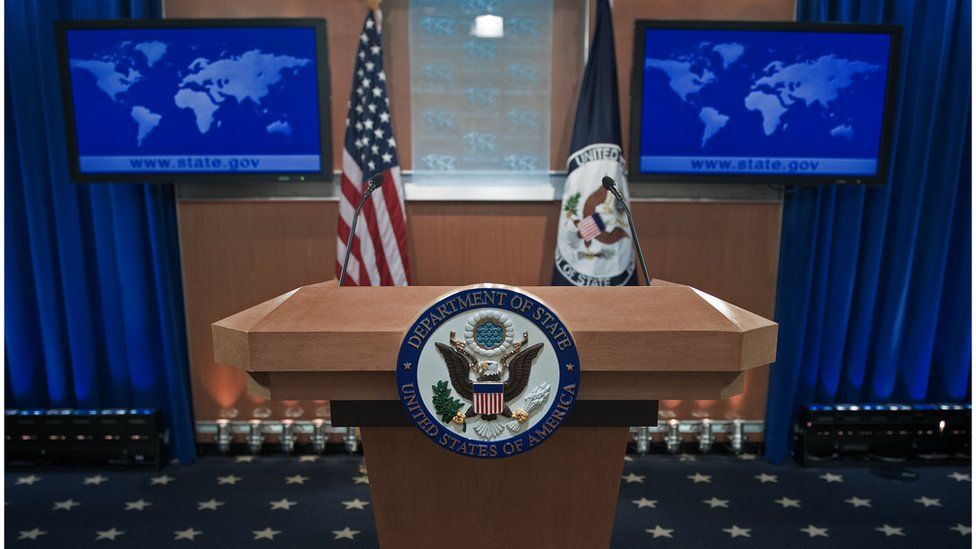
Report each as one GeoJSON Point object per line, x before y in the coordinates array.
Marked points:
{"type": "Point", "coordinates": [700, 501]}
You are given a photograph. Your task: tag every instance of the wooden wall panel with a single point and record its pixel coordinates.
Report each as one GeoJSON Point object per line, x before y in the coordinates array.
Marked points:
{"type": "Point", "coordinates": [568, 22]}
{"type": "Point", "coordinates": [235, 255]}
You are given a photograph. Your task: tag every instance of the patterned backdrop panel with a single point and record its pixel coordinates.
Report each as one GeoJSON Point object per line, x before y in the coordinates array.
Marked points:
{"type": "Point", "coordinates": [481, 87]}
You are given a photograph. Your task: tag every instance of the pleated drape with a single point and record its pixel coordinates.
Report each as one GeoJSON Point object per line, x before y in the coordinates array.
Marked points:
{"type": "Point", "coordinates": [94, 310]}
{"type": "Point", "coordinates": [873, 298]}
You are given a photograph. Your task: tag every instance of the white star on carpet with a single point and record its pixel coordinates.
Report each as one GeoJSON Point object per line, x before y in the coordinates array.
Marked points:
{"type": "Point", "coordinates": [267, 533]}
{"type": "Point", "coordinates": [698, 477]}
{"type": "Point", "coordinates": [189, 534]}
{"type": "Point", "coordinates": [830, 477]}
{"type": "Point", "coordinates": [858, 502]}
{"type": "Point", "coordinates": [644, 502]}
{"type": "Point", "coordinates": [229, 479]}
{"type": "Point", "coordinates": [30, 480]}
{"type": "Point", "coordinates": [962, 529]}
{"type": "Point", "coordinates": [955, 475]}
{"type": "Point", "coordinates": [737, 532]}
{"type": "Point", "coordinates": [628, 458]}
{"type": "Point", "coordinates": [306, 459]}
{"type": "Point", "coordinates": [813, 531]}
{"type": "Point", "coordinates": [687, 457]}
{"type": "Point", "coordinates": [66, 504]}
{"type": "Point", "coordinates": [361, 479]}
{"type": "Point", "coordinates": [787, 502]}
{"type": "Point", "coordinates": [138, 505]}
{"type": "Point", "coordinates": [111, 534]}
{"type": "Point", "coordinates": [890, 531]}
{"type": "Point", "coordinates": [764, 478]}
{"type": "Point", "coordinates": [211, 504]}
{"type": "Point", "coordinates": [96, 480]}
{"type": "Point", "coordinates": [631, 478]}
{"type": "Point", "coordinates": [929, 502]}
{"type": "Point", "coordinates": [296, 479]}
{"type": "Point", "coordinates": [164, 480]}
{"type": "Point", "coordinates": [31, 534]}
{"type": "Point", "coordinates": [345, 533]}
{"type": "Point", "coordinates": [715, 502]}
{"type": "Point", "coordinates": [244, 459]}
{"type": "Point", "coordinates": [356, 504]}
{"type": "Point", "coordinates": [659, 532]}
{"type": "Point", "coordinates": [282, 503]}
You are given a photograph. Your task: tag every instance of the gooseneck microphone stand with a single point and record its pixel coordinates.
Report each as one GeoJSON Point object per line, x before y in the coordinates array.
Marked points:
{"type": "Point", "coordinates": [374, 183]}
{"type": "Point", "coordinates": [611, 185]}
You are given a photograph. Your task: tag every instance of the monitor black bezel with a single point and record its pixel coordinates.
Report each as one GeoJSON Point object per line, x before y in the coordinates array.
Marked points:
{"type": "Point", "coordinates": [324, 104]}
{"type": "Point", "coordinates": [637, 92]}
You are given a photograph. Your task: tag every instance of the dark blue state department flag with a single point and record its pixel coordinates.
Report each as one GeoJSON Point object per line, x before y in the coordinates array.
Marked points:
{"type": "Point", "coordinates": [593, 247]}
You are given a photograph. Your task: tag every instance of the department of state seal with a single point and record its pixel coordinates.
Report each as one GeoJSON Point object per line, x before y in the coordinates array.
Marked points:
{"type": "Point", "coordinates": [488, 371]}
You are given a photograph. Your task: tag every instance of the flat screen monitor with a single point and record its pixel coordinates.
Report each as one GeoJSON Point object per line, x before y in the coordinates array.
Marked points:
{"type": "Point", "coordinates": [785, 103]}
{"type": "Point", "coordinates": [196, 100]}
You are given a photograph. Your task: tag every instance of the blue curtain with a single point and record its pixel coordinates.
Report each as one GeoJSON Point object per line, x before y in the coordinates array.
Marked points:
{"type": "Point", "coordinates": [94, 311]}
{"type": "Point", "coordinates": [874, 286]}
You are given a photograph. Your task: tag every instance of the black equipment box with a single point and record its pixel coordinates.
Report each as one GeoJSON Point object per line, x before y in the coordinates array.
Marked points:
{"type": "Point", "coordinates": [917, 433]}
{"type": "Point", "coordinates": [116, 436]}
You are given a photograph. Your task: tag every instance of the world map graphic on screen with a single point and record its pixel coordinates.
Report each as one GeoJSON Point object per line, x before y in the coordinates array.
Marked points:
{"type": "Point", "coordinates": [195, 99]}
{"type": "Point", "coordinates": [763, 101]}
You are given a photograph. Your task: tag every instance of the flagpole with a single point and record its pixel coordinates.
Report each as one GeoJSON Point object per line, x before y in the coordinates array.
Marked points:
{"type": "Point", "coordinates": [374, 6]}
{"type": "Point", "coordinates": [586, 31]}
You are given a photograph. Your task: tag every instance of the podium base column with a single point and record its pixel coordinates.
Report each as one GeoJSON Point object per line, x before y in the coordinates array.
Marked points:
{"type": "Point", "coordinates": [561, 494]}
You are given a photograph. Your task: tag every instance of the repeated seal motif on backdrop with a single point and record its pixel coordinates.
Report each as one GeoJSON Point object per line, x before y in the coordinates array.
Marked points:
{"type": "Point", "coordinates": [488, 371]}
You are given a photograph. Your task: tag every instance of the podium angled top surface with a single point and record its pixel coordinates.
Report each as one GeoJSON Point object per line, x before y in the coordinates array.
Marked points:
{"type": "Point", "coordinates": [355, 333]}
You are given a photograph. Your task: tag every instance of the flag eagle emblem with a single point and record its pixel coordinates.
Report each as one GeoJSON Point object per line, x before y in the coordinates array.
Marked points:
{"type": "Point", "coordinates": [489, 397]}
{"type": "Point", "coordinates": [496, 382]}
{"type": "Point", "coordinates": [591, 227]}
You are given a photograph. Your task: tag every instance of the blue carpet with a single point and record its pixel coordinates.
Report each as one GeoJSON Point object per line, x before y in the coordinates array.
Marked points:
{"type": "Point", "coordinates": [692, 501]}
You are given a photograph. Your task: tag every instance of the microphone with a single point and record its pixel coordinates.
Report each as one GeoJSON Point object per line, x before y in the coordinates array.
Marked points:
{"type": "Point", "coordinates": [610, 185]}
{"type": "Point", "coordinates": [375, 182]}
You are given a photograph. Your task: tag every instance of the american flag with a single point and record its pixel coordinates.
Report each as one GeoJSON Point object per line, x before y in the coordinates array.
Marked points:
{"type": "Point", "coordinates": [489, 397]}
{"type": "Point", "coordinates": [379, 249]}
{"type": "Point", "coordinates": [591, 227]}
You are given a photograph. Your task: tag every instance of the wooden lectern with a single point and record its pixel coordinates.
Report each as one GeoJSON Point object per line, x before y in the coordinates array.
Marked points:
{"type": "Point", "coordinates": [636, 344]}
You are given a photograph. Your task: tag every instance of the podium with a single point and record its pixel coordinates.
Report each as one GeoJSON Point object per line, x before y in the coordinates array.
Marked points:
{"type": "Point", "coordinates": [636, 345]}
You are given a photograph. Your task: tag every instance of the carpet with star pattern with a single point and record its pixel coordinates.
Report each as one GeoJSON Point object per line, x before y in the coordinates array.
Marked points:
{"type": "Point", "coordinates": [323, 501]}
